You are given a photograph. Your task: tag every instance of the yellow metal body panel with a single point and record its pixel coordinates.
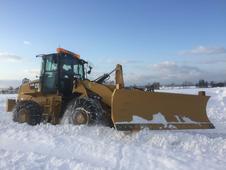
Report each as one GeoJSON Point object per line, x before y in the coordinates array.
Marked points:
{"type": "Point", "coordinates": [51, 103]}
{"type": "Point", "coordinates": [11, 103]}
{"type": "Point", "coordinates": [134, 109]}
{"type": "Point", "coordinates": [119, 77]}
{"type": "Point", "coordinates": [104, 91]}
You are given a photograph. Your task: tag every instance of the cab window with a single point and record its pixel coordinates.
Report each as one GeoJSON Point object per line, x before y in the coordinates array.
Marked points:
{"type": "Point", "coordinates": [78, 70]}
{"type": "Point", "coordinates": [51, 64]}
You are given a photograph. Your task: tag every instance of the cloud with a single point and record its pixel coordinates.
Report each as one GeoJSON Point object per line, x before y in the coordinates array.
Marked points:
{"type": "Point", "coordinates": [214, 61]}
{"type": "Point", "coordinates": [201, 50]}
{"type": "Point", "coordinates": [165, 72]}
{"type": "Point", "coordinates": [27, 42]}
{"type": "Point", "coordinates": [31, 73]}
{"type": "Point", "coordinates": [171, 72]}
{"type": "Point", "coordinates": [8, 83]}
{"type": "Point", "coordinates": [9, 57]}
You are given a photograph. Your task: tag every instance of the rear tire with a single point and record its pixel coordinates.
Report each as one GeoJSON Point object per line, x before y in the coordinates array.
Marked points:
{"type": "Point", "coordinates": [27, 111]}
{"type": "Point", "coordinates": [85, 111]}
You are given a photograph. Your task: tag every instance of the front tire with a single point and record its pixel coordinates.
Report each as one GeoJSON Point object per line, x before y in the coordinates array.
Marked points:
{"type": "Point", "coordinates": [84, 110]}
{"type": "Point", "coordinates": [27, 111]}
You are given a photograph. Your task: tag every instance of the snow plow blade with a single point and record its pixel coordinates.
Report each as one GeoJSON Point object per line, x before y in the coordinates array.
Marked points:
{"type": "Point", "coordinates": [136, 109]}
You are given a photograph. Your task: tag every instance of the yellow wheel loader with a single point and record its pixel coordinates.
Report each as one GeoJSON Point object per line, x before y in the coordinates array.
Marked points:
{"type": "Point", "coordinates": [64, 94]}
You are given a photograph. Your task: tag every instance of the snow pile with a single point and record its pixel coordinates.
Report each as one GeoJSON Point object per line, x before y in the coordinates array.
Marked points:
{"type": "Point", "coordinates": [79, 147]}
{"type": "Point", "coordinates": [218, 100]}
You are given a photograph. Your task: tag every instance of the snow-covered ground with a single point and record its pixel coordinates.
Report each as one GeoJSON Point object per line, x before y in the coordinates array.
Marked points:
{"type": "Point", "coordinates": [79, 147]}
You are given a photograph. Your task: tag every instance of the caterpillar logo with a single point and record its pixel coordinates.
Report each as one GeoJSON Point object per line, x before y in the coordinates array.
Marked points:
{"type": "Point", "coordinates": [34, 85]}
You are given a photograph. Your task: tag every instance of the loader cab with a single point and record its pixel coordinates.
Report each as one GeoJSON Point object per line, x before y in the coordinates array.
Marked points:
{"type": "Point", "coordinates": [59, 73]}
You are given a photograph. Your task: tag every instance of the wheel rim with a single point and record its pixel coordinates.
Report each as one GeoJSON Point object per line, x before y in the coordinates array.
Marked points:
{"type": "Point", "coordinates": [80, 117]}
{"type": "Point", "coordinates": [22, 116]}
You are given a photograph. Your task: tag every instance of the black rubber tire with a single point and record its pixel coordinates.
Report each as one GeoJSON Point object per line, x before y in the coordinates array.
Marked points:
{"type": "Point", "coordinates": [33, 112]}
{"type": "Point", "coordinates": [92, 108]}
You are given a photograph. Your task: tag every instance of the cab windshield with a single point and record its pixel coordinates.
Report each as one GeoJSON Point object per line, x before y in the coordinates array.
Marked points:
{"type": "Point", "coordinates": [72, 67]}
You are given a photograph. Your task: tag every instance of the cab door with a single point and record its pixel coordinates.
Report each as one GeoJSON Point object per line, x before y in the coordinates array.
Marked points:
{"type": "Point", "coordinates": [49, 75]}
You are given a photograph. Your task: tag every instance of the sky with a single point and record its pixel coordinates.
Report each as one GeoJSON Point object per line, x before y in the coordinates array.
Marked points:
{"type": "Point", "coordinates": [169, 41]}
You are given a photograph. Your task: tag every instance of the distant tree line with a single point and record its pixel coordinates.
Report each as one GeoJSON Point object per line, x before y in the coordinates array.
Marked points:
{"type": "Point", "coordinates": [203, 83]}
{"type": "Point", "coordinates": [9, 90]}
{"type": "Point", "coordinates": [200, 84]}
{"type": "Point", "coordinates": [152, 87]}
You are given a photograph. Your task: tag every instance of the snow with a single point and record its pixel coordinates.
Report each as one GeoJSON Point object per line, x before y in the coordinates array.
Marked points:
{"type": "Point", "coordinates": [187, 120]}
{"type": "Point", "coordinates": [158, 118]}
{"type": "Point", "coordinates": [80, 147]}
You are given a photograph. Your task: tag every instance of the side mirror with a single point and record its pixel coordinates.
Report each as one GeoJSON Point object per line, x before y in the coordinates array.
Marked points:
{"type": "Point", "coordinates": [90, 69]}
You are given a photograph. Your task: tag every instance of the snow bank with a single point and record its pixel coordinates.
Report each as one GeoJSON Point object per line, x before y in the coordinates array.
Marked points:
{"type": "Point", "coordinates": [79, 147]}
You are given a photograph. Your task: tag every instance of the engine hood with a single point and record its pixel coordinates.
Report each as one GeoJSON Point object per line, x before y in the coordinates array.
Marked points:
{"type": "Point", "coordinates": [30, 87]}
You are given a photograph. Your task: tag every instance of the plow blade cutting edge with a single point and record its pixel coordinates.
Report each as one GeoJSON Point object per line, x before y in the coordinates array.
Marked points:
{"type": "Point", "coordinates": [136, 109]}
